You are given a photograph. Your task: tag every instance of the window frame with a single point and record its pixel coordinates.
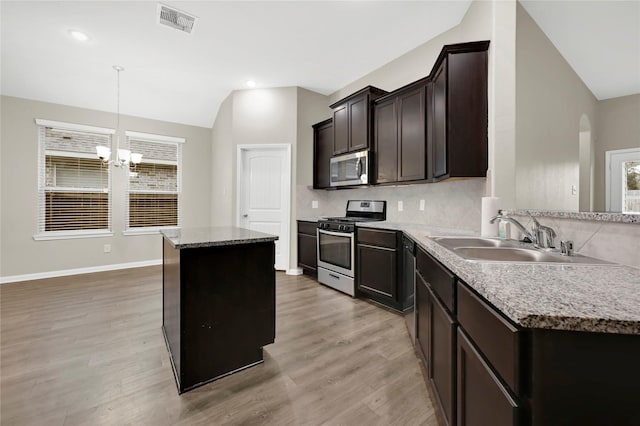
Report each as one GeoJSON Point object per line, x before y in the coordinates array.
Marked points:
{"type": "Point", "coordinates": [41, 234]}
{"type": "Point", "coordinates": [160, 139]}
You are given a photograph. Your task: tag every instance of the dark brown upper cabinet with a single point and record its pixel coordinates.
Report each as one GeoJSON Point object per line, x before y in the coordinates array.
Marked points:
{"type": "Point", "coordinates": [400, 134]}
{"type": "Point", "coordinates": [352, 120]}
{"type": "Point", "coordinates": [322, 152]}
{"type": "Point", "coordinates": [458, 112]}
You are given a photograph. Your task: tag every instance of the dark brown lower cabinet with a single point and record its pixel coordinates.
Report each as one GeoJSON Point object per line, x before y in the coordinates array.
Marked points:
{"type": "Point", "coordinates": [307, 247]}
{"type": "Point", "coordinates": [442, 346]}
{"type": "Point", "coordinates": [481, 398]}
{"type": "Point", "coordinates": [486, 370]}
{"type": "Point", "coordinates": [379, 268]}
{"type": "Point", "coordinates": [423, 321]}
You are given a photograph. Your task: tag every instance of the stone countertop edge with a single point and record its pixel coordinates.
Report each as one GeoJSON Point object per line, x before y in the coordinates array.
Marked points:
{"type": "Point", "coordinates": [592, 216]}
{"type": "Point", "coordinates": [308, 219]}
{"type": "Point", "coordinates": [214, 236]}
{"type": "Point", "coordinates": [593, 298]}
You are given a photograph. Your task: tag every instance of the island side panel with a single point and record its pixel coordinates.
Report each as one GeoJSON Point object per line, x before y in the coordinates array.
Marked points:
{"type": "Point", "coordinates": [228, 309]}
{"type": "Point", "coordinates": [583, 378]}
{"type": "Point", "coordinates": [171, 303]}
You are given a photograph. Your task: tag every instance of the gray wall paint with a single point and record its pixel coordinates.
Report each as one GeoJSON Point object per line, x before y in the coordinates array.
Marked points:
{"type": "Point", "coordinates": [618, 128]}
{"type": "Point", "coordinates": [221, 155]}
{"type": "Point", "coordinates": [263, 116]}
{"type": "Point", "coordinates": [550, 101]}
{"type": "Point", "coordinates": [20, 254]}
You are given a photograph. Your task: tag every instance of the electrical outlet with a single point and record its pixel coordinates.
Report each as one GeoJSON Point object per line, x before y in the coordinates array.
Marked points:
{"type": "Point", "coordinates": [574, 190]}
{"type": "Point", "coordinates": [422, 205]}
{"type": "Point", "coordinates": [400, 206]}
{"type": "Point", "coordinates": [314, 204]}
{"type": "Point", "coordinates": [107, 248]}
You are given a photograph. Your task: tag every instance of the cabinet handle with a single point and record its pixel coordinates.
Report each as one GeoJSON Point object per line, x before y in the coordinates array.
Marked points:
{"type": "Point", "coordinates": [334, 276]}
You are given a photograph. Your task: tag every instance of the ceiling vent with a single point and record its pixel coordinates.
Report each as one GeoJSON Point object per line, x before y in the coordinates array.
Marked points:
{"type": "Point", "coordinates": [174, 18]}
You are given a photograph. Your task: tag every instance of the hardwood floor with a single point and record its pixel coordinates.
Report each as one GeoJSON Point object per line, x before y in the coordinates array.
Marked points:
{"type": "Point", "coordinates": [88, 350]}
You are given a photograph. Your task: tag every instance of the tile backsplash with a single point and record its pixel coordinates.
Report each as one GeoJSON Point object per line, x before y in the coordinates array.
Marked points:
{"type": "Point", "coordinates": [615, 242]}
{"type": "Point", "coordinates": [454, 204]}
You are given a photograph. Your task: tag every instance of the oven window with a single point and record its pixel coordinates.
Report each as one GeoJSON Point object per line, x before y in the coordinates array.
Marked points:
{"type": "Point", "coordinates": [335, 249]}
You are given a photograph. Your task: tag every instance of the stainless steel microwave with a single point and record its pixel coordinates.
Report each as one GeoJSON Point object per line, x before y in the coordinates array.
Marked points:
{"type": "Point", "coordinates": [350, 169]}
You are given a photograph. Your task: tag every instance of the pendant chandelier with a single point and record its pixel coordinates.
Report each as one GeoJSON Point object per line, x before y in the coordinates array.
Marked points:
{"type": "Point", "coordinates": [124, 157]}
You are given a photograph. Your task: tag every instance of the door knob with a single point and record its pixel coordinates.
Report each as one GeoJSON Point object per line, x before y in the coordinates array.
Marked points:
{"type": "Point", "coordinates": [245, 215]}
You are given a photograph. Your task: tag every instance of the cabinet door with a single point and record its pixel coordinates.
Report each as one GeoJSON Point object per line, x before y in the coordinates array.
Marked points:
{"type": "Point", "coordinates": [359, 124]}
{"type": "Point", "coordinates": [467, 114]}
{"type": "Point", "coordinates": [442, 345]}
{"type": "Point", "coordinates": [411, 135]}
{"type": "Point", "coordinates": [423, 321]}
{"type": "Point", "coordinates": [439, 102]}
{"type": "Point", "coordinates": [386, 141]}
{"type": "Point", "coordinates": [377, 269]}
{"type": "Point", "coordinates": [307, 251]}
{"type": "Point", "coordinates": [340, 129]}
{"type": "Point", "coordinates": [323, 150]}
{"type": "Point", "coordinates": [482, 400]}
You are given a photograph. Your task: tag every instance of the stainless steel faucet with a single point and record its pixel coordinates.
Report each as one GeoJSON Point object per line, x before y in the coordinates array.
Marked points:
{"type": "Point", "coordinates": [545, 235]}
{"type": "Point", "coordinates": [541, 236]}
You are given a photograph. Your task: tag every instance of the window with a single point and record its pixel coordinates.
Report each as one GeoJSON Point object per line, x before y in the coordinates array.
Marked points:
{"type": "Point", "coordinates": [74, 187]}
{"type": "Point", "coordinates": [153, 196]}
{"type": "Point", "coordinates": [623, 180]}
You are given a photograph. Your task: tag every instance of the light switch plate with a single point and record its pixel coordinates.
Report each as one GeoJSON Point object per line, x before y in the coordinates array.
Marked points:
{"type": "Point", "coordinates": [314, 204]}
{"type": "Point", "coordinates": [422, 205]}
{"type": "Point", "coordinates": [400, 206]}
{"type": "Point", "coordinates": [107, 248]}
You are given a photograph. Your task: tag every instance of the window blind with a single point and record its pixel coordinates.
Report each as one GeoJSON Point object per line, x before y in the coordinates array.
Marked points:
{"type": "Point", "coordinates": [154, 185]}
{"type": "Point", "coordinates": [74, 186]}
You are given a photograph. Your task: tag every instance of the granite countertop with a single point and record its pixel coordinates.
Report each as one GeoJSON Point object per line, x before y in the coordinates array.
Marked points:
{"type": "Point", "coordinates": [214, 236]}
{"type": "Point", "coordinates": [309, 219]}
{"type": "Point", "coordinates": [596, 298]}
{"type": "Point", "coordinates": [592, 216]}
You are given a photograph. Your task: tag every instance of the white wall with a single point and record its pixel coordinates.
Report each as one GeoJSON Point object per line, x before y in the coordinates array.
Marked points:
{"type": "Point", "coordinates": [222, 188]}
{"type": "Point", "coordinates": [551, 99]}
{"type": "Point", "coordinates": [21, 255]}
{"type": "Point", "coordinates": [618, 128]}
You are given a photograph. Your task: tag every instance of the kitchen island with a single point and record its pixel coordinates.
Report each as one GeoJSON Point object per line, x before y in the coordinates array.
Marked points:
{"type": "Point", "coordinates": [218, 301]}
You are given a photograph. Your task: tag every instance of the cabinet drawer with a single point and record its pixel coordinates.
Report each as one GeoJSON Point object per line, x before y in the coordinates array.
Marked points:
{"type": "Point", "coordinates": [482, 399]}
{"type": "Point", "coordinates": [498, 340]}
{"type": "Point", "coordinates": [376, 237]}
{"type": "Point", "coordinates": [442, 281]}
{"type": "Point", "coordinates": [308, 228]}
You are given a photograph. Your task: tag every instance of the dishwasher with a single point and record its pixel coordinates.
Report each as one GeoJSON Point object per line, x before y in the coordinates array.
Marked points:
{"type": "Point", "coordinates": [409, 283]}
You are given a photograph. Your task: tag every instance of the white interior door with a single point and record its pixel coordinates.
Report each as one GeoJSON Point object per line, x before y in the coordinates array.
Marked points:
{"type": "Point", "coordinates": [621, 197]}
{"type": "Point", "coordinates": [264, 176]}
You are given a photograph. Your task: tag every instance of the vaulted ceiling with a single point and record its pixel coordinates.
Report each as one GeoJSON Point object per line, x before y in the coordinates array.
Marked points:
{"type": "Point", "coordinates": [322, 46]}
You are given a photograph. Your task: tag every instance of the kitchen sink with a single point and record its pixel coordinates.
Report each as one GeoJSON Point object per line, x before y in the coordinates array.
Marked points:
{"type": "Point", "coordinates": [497, 250]}
{"type": "Point", "coordinates": [455, 242]}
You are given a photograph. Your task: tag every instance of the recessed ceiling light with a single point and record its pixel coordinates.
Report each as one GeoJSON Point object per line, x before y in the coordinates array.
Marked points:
{"type": "Point", "coordinates": [251, 83]}
{"type": "Point", "coordinates": [78, 35]}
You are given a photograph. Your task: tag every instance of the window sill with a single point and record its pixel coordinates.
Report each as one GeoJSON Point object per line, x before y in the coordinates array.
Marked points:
{"type": "Point", "coordinates": [148, 231]}
{"type": "Point", "coordinates": [70, 235]}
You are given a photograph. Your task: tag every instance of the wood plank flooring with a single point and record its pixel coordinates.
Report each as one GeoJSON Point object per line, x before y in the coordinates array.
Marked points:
{"type": "Point", "coordinates": [88, 350]}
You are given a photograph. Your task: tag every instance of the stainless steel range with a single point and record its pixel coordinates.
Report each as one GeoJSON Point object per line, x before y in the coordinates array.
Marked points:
{"type": "Point", "coordinates": [336, 243]}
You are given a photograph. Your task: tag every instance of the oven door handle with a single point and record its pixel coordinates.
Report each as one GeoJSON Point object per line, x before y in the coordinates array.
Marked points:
{"type": "Point", "coordinates": [336, 234]}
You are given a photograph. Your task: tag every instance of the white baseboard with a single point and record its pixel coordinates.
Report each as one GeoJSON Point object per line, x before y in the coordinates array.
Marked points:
{"type": "Point", "coordinates": [77, 271]}
{"type": "Point", "coordinates": [294, 271]}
